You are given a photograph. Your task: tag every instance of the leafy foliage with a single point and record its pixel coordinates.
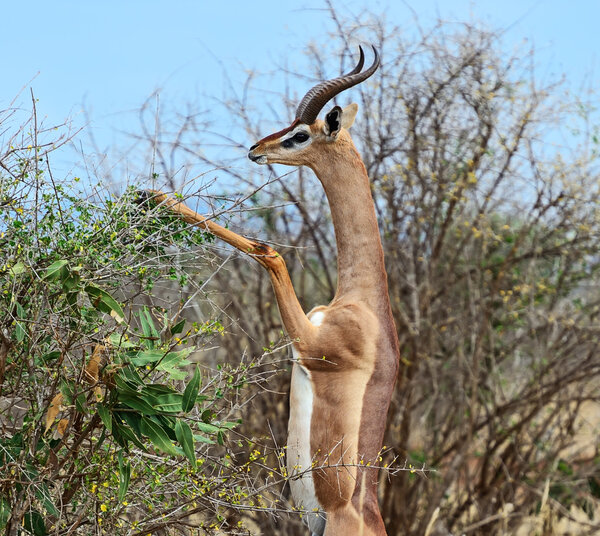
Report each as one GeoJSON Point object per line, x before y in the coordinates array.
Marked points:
{"type": "Point", "coordinates": [105, 420]}
{"type": "Point", "coordinates": [491, 232]}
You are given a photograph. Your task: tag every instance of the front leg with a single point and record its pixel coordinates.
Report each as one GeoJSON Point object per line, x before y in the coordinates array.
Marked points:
{"type": "Point", "coordinates": [296, 323]}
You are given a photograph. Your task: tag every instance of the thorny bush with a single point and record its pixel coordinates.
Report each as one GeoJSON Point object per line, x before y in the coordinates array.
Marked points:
{"type": "Point", "coordinates": [106, 424]}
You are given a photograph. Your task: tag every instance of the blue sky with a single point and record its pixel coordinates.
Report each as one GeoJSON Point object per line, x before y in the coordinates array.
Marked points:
{"type": "Point", "coordinates": [112, 55]}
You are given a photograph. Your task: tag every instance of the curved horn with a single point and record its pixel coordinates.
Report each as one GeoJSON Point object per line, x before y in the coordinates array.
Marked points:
{"type": "Point", "coordinates": [318, 96]}
{"type": "Point", "coordinates": [359, 65]}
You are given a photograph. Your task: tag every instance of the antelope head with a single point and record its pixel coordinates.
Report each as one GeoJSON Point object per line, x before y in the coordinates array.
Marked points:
{"type": "Point", "coordinates": [296, 144]}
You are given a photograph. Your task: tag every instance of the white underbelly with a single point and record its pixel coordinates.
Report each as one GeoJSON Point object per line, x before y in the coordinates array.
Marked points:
{"type": "Point", "coordinates": [299, 458]}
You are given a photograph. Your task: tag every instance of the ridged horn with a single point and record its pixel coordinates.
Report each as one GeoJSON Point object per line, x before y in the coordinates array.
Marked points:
{"type": "Point", "coordinates": [318, 96]}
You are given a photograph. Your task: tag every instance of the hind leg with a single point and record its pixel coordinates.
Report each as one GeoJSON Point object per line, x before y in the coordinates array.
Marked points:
{"type": "Point", "coordinates": [317, 527]}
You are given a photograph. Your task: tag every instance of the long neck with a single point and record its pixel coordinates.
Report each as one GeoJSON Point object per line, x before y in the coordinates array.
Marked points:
{"type": "Point", "coordinates": [361, 270]}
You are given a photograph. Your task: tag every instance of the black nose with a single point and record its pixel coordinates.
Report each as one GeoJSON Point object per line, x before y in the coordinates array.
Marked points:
{"type": "Point", "coordinates": [251, 156]}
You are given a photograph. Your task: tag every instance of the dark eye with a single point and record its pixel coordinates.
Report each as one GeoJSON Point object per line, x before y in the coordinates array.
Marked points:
{"type": "Point", "coordinates": [300, 137]}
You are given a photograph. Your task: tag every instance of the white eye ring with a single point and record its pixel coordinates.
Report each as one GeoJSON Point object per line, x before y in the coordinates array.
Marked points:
{"type": "Point", "coordinates": [300, 137]}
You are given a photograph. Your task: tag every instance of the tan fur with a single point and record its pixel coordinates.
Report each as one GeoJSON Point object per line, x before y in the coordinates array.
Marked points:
{"type": "Point", "coordinates": [356, 342]}
{"type": "Point", "coordinates": [351, 355]}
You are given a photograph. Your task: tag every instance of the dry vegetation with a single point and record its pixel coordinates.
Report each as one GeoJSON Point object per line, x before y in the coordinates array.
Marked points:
{"type": "Point", "coordinates": [488, 208]}
{"type": "Point", "coordinates": [486, 185]}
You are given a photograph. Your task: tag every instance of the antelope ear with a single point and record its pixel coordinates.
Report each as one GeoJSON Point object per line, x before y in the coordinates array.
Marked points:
{"type": "Point", "coordinates": [349, 115]}
{"type": "Point", "coordinates": [338, 118]}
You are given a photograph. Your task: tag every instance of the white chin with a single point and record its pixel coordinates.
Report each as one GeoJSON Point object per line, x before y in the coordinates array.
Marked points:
{"type": "Point", "coordinates": [261, 159]}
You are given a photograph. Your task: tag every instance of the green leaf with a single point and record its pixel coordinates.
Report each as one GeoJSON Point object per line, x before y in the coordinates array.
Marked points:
{"type": "Point", "coordinates": [191, 391]}
{"type": "Point", "coordinates": [207, 415]}
{"type": "Point", "coordinates": [81, 403]}
{"type": "Point", "coordinates": [203, 439]}
{"type": "Point", "coordinates": [168, 402]}
{"type": "Point", "coordinates": [71, 298]}
{"type": "Point", "coordinates": [174, 360]}
{"type": "Point", "coordinates": [66, 388]}
{"type": "Point", "coordinates": [230, 425]}
{"type": "Point", "coordinates": [158, 436]}
{"type": "Point", "coordinates": [118, 341]}
{"type": "Point", "coordinates": [34, 522]}
{"type": "Point", "coordinates": [123, 434]}
{"type": "Point", "coordinates": [565, 468]}
{"type": "Point", "coordinates": [71, 281]}
{"type": "Point", "coordinates": [207, 428]}
{"type": "Point", "coordinates": [147, 356]}
{"type": "Point", "coordinates": [148, 328]}
{"type": "Point", "coordinates": [104, 413]}
{"type": "Point", "coordinates": [132, 376]}
{"type": "Point", "coordinates": [124, 476]}
{"type": "Point", "coordinates": [4, 512]}
{"type": "Point", "coordinates": [174, 374]}
{"type": "Point", "coordinates": [101, 439]}
{"type": "Point", "coordinates": [172, 363]}
{"type": "Point", "coordinates": [593, 484]}
{"type": "Point", "coordinates": [177, 328]}
{"type": "Point", "coordinates": [56, 270]}
{"type": "Point", "coordinates": [168, 425]}
{"type": "Point", "coordinates": [20, 330]}
{"type": "Point", "coordinates": [133, 420]}
{"type": "Point", "coordinates": [137, 403]}
{"type": "Point", "coordinates": [158, 389]}
{"type": "Point", "coordinates": [125, 387]}
{"type": "Point", "coordinates": [43, 494]}
{"type": "Point", "coordinates": [104, 302]}
{"type": "Point", "coordinates": [120, 439]}
{"type": "Point", "coordinates": [186, 440]}
{"type": "Point", "coordinates": [15, 270]}
{"type": "Point", "coordinates": [51, 356]}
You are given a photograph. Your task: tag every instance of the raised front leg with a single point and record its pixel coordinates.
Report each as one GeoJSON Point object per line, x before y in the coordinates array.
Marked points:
{"type": "Point", "coordinates": [297, 325]}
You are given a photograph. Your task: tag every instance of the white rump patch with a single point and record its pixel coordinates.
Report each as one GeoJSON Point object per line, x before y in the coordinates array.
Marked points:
{"type": "Point", "coordinates": [316, 318]}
